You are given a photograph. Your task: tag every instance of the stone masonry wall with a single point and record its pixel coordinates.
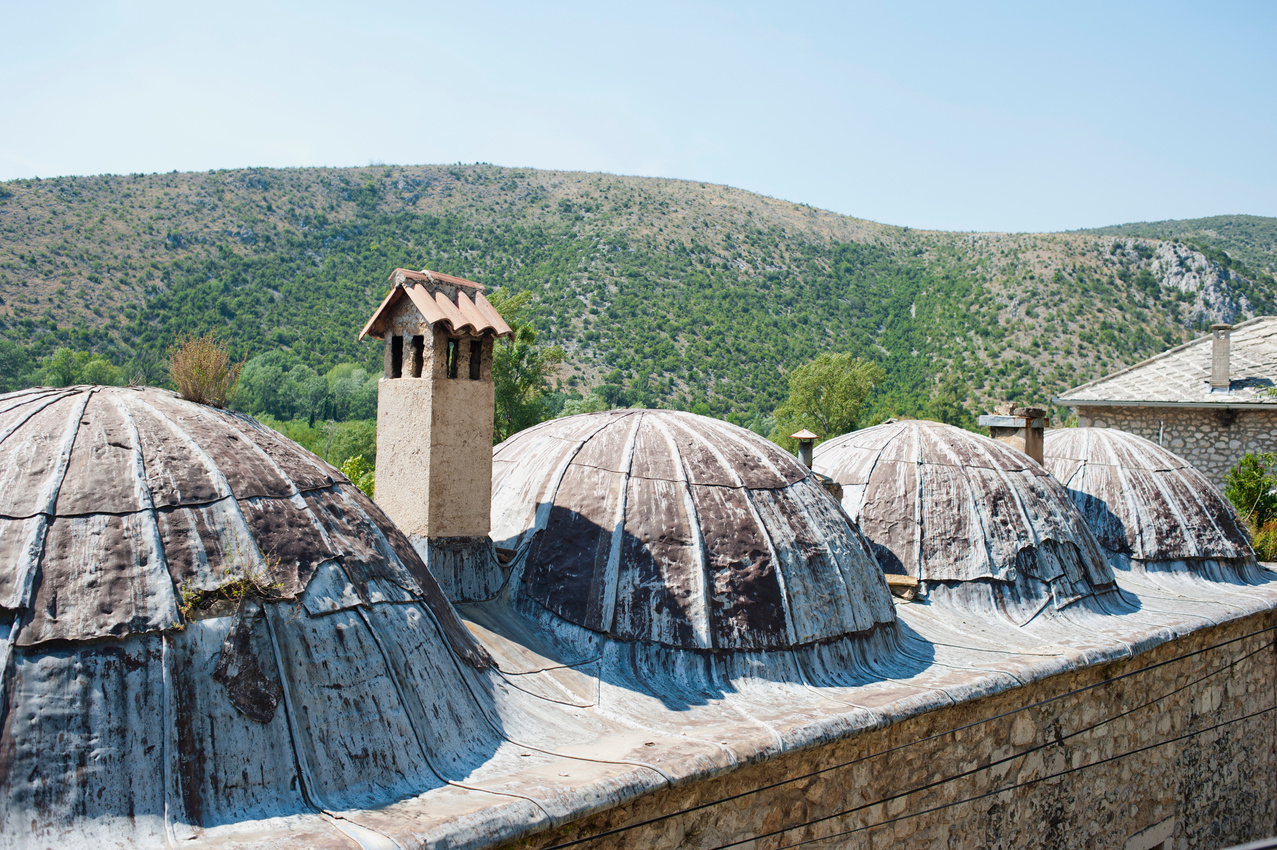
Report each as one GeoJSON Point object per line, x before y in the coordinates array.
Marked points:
{"type": "Point", "coordinates": [1211, 440]}
{"type": "Point", "coordinates": [1177, 743]}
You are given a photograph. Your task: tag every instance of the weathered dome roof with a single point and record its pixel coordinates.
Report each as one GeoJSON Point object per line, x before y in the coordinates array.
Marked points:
{"type": "Point", "coordinates": [946, 505]}
{"type": "Point", "coordinates": [1143, 502]}
{"type": "Point", "coordinates": [120, 506]}
{"type": "Point", "coordinates": [680, 530]}
{"type": "Point", "coordinates": [137, 709]}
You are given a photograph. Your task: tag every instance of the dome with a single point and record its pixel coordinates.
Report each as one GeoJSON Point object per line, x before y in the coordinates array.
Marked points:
{"type": "Point", "coordinates": [203, 617]}
{"type": "Point", "coordinates": [948, 507]}
{"type": "Point", "coordinates": [680, 530]}
{"type": "Point", "coordinates": [1146, 505]}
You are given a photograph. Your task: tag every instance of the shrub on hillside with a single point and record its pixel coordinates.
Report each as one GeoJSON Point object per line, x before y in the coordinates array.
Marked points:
{"type": "Point", "coordinates": [202, 370]}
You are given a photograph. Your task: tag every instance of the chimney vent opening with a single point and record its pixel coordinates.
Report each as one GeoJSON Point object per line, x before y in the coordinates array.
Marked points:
{"type": "Point", "coordinates": [396, 357]}
{"type": "Point", "coordinates": [418, 355]}
{"type": "Point", "coordinates": [451, 358]}
{"type": "Point", "coordinates": [476, 358]}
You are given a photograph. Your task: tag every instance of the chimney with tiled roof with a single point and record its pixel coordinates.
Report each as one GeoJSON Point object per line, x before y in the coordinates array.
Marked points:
{"type": "Point", "coordinates": [435, 404]}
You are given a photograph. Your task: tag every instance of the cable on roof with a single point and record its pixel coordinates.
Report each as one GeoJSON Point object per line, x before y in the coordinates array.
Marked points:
{"type": "Point", "coordinates": [937, 735]}
{"type": "Point", "coordinates": [1058, 740]}
{"type": "Point", "coordinates": [1018, 785]}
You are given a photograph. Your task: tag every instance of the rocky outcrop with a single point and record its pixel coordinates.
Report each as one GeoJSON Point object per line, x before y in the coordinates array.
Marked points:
{"type": "Point", "coordinates": [1181, 268]}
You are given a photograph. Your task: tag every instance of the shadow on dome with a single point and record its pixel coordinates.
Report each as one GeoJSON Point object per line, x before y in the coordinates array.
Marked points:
{"type": "Point", "coordinates": [531, 625]}
{"type": "Point", "coordinates": [1150, 510]}
{"type": "Point", "coordinates": [980, 525]}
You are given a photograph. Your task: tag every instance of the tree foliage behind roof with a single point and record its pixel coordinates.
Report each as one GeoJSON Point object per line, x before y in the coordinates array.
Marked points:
{"type": "Point", "coordinates": [826, 396]}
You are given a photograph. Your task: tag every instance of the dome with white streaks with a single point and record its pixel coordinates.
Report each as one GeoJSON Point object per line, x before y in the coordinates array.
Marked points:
{"type": "Point", "coordinates": [1146, 504]}
{"type": "Point", "coordinates": [680, 530]}
{"type": "Point", "coordinates": [959, 510]}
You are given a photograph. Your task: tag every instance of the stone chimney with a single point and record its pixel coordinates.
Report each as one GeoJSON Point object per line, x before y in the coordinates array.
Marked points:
{"type": "Point", "coordinates": [435, 404]}
{"type": "Point", "coordinates": [1021, 427]}
{"type": "Point", "coordinates": [1219, 346]}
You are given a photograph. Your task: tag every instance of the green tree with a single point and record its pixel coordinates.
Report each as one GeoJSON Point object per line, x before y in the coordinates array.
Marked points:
{"type": "Point", "coordinates": [589, 403]}
{"type": "Point", "coordinates": [825, 396]}
{"type": "Point", "coordinates": [61, 369]}
{"type": "Point", "coordinates": [946, 403]}
{"type": "Point", "coordinates": [100, 371]}
{"type": "Point", "coordinates": [361, 473]}
{"type": "Point", "coordinates": [1251, 485]}
{"type": "Point", "coordinates": [521, 369]}
{"type": "Point", "coordinates": [15, 367]}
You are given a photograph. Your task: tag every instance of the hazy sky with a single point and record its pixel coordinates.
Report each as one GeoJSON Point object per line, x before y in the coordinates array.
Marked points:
{"type": "Point", "coordinates": [961, 116]}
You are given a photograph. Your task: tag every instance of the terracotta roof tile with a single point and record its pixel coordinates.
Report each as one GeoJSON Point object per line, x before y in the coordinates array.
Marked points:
{"type": "Point", "coordinates": [430, 294]}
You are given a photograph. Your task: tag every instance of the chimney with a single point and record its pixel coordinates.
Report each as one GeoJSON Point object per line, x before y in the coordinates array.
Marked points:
{"type": "Point", "coordinates": [435, 404]}
{"type": "Point", "coordinates": [1219, 345]}
{"type": "Point", "coordinates": [1023, 428]}
{"type": "Point", "coordinates": [806, 440]}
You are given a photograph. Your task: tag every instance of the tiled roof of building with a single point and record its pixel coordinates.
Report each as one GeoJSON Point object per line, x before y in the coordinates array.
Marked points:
{"type": "Point", "coordinates": [441, 298]}
{"type": "Point", "coordinates": [1181, 377]}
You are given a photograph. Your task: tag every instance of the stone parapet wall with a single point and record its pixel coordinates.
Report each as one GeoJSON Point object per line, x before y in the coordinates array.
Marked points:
{"type": "Point", "coordinates": [1211, 440]}
{"type": "Point", "coordinates": [1177, 743]}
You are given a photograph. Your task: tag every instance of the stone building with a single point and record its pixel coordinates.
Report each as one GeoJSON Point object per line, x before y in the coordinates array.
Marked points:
{"type": "Point", "coordinates": [215, 640]}
{"type": "Point", "coordinates": [1207, 400]}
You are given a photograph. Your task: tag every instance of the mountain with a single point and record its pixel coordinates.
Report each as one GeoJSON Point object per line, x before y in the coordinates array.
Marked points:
{"type": "Point", "coordinates": [667, 291]}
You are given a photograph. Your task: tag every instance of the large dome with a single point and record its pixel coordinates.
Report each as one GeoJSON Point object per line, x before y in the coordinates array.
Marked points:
{"type": "Point", "coordinates": [680, 530]}
{"type": "Point", "coordinates": [203, 618]}
{"type": "Point", "coordinates": [1146, 505]}
{"type": "Point", "coordinates": [950, 507]}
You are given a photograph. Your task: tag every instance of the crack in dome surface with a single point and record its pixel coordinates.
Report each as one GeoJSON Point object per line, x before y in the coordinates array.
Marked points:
{"type": "Point", "coordinates": [680, 530]}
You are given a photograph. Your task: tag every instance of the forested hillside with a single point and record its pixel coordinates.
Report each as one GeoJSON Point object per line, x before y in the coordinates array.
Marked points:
{"type": "Point", "coordinates": [660, 291]}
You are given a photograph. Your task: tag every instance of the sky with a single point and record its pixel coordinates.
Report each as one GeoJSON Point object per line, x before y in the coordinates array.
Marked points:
{"type": "Point", "coordinates": [955, 116]}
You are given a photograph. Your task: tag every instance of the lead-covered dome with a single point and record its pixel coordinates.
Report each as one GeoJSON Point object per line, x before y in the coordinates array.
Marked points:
{"type": "Point", "coordinates": [208, 626]}
{"type": "Point", "coordinates": [680, 530]}
{"type": "Point", "coordinates": [1147, 506]}
{"type": "Point", "coordinates": [948, 507]}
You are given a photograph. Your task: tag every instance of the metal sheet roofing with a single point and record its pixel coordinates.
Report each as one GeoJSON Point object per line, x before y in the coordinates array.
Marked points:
{"type": "Point", "coordinates": [1181, 376]}
{"type": "Point", "coordinates": [1145, 503]}
{"type": "Point", "coordinates": [948, 506]}
{"type": "Point", "coordinates": [683, 530]}
{"type": "Point", "coordinates": [381, 735]}
{"type": "Point", "coordinates": [456, 303]}
{"type": "Point", "coordinates": [117, 501]}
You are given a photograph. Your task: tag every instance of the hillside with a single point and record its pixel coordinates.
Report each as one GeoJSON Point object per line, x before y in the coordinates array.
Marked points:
{"type": "Point", "coordinates": [680, 292]}
{"type": "Point", "coordinates": [1249, 240]}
